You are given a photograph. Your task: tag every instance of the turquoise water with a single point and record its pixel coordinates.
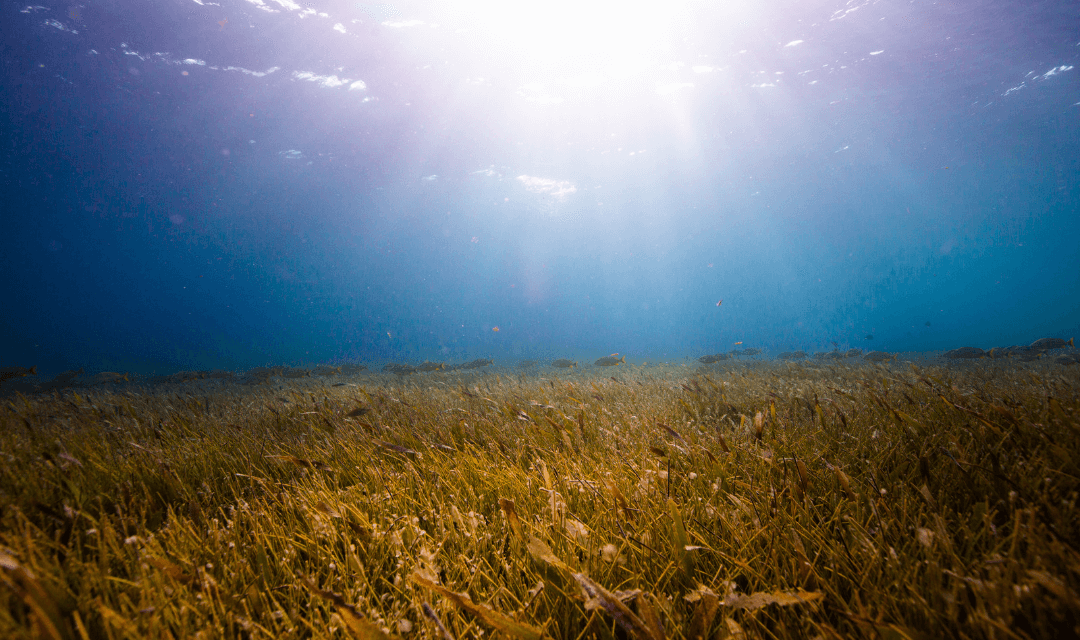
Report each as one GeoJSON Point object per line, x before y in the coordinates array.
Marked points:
{"type": "Point", "coordinates": [193, 186]}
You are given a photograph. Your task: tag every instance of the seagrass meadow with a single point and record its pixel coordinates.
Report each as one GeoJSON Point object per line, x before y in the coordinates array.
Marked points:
{"type": "Point", "coordinates": [757, 500]}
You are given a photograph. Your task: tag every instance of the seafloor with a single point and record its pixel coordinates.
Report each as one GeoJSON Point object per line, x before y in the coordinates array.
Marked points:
{"type": "Point", "coordinates": [914, 498]}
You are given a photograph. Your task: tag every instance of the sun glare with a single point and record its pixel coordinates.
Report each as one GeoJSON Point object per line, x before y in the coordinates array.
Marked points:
{"type": "Point", "coordinates": [574, 37]}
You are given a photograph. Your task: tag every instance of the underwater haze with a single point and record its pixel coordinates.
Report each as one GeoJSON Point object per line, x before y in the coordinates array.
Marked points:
{"type": "Point", "coordinates": [189, 184]}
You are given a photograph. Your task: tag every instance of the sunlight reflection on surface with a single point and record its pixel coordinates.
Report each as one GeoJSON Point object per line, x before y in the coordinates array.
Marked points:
{"type": "Point", "coordinates": [585, 38]}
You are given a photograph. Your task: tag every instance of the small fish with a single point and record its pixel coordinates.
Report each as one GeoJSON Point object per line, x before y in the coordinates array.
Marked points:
{"type": "Point", "coordinates": [1024, 354]}
{"type": "Point", "coordinates": [109, 376]}
{"type": "Point", "coordinates": [7, 373]}
{"type": "Point", "coordinates": [495, 329]}
{"type": "Point", "coordinates": [878, 356]}
{"type": "Point", "coordinates": [400, 369]}
{"type": "Point", "coordinates": [476, 364]}
{"type": "Point", "coordinates": [1068, 359]}
{"type": "Point", "coordinates": [563, 363]}
{"type": "Point", "coordinates": [928, 323]}
{"type": "Point", "coordinates": [610, 361]}
{"type": "Point", "coordinates": [869, 336]}
{"type": "Point", "coordinates": [721, 301]}
{"type": "Point", "coordinates": [357, 412]}
{"type": "Point", "coordinates": [223, 22]}
{"type": "Point", "coordinates": [965, 353]}
{"type": "Point", "coordinates": [389, 336]}
{"type": "Point", "coordinates": [65, 379]}
{"type": "Point", "coordinates": [738, 343]}
{"type": "Point", "coordinates": [1052, 343]}
{"type": "Point", "coordinates": [710, 359]}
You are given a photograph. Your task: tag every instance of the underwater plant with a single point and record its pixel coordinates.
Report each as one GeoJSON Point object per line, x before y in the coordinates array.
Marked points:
{"type": "Point", "coordinates": [741, 499]}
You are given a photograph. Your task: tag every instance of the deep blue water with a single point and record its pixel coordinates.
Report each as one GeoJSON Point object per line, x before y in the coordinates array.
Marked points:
{"type": "Point", "coordinates": [189, 185]}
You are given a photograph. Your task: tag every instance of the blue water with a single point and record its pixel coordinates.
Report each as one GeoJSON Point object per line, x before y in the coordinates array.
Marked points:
{"type": "Point", "coordinates": [188, 185]}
